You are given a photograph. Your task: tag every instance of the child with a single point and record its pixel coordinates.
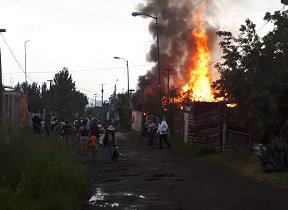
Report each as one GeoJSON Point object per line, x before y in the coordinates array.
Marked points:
{"type": "Point", "coordinates": [92, 144]}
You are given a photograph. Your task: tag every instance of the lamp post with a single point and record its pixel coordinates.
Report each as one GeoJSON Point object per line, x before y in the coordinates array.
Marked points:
{"type": "Point", "coordinates": [1, 86]}
{"type": "Point", "coordinates": [158, 59]}
{"type": "Point", "coordinates": [25, 67]}
{"type": "Point", "coordinates": [128, 91]}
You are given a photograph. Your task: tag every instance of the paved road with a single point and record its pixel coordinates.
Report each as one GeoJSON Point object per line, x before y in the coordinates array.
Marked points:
{"type": "Point", "coordinates": [156, 179]}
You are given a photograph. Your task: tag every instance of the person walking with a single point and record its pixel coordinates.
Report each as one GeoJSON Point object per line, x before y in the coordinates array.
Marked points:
{"type": "Point", "coordinates": [109, 143]}
{"type": "Point", "coordinates": [94, 135]}
{"type": "Point", "coordinates": [84, 132]}
{"type": "Point", "coordinates": [151, 129]}
{"type": "Point", "coordinates": [36, 124]}
{"type": "Point", "coordinates": [163, 132]}
{"type": "Point", "coordinates": [92, 145]}
{"type": "Point", "coordinates": [94, 129]}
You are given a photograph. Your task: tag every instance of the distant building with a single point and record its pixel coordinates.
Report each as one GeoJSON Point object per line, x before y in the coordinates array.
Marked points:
{"type": "Point", "coordinates": [14, 108]}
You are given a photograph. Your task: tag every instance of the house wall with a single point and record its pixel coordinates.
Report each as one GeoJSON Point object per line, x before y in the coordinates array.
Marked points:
{"type": "Point", "coordinates": [14, 109]}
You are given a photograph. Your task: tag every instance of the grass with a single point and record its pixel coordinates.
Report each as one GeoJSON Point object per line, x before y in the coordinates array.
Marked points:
{"type": "Point", "coordinates": [36, 173]}
{"type": "Point", "coordinates": [245, 163]}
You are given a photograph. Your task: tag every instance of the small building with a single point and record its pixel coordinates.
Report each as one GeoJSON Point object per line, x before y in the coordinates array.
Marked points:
{"type": "Point", "coordinates": [14, 108]}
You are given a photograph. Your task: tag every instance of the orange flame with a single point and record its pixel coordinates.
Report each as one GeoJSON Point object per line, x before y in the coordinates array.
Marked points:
{"type": "Point", "coordinates": [200, 77]}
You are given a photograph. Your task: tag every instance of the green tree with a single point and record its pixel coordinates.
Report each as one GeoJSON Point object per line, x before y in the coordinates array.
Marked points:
{"type": "Point", "coordinates": [62, 97]}
{"type": "Point", "coordinates": [33, 92]}
{"type": "Point", "coordinates": [79, 102]}
{"type": "Point", "coordinates": [122, 110]}
{"type": "Point", "coordinates": [65, 99]}
{"type": "Point", "coordinates": [45, 96]}
{"type": "Point", "coordinates": [254, 72]}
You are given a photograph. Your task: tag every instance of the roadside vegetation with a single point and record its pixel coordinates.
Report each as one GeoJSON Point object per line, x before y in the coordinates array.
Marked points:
{"type": "Point", "coordinates": [38, 173]}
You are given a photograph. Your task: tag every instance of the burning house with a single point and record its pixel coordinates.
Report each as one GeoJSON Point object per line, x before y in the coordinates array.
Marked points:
{"type": "Point", "coordinates": [187, 36]}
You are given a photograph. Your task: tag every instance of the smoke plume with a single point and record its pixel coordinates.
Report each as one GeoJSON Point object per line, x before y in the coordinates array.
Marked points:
{"type": "Point", "coordinates": [175, 23]}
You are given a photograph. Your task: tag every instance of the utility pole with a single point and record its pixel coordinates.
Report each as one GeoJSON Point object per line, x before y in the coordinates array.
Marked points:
{"type": "Point", "coordinates": [25, 67]}
{"type": "Point", "coordinates": [1, 87]}
{"type": "Point", "coordinates": [50, 81]}
{"type": "Point", "coordinates": [103, 110]}
{"type": "Point", "coordinates": [95, 98]}
{"type": "Point", "coordinates": [168, 94]}
{"type": "Point", "coordinates": [115, 87]}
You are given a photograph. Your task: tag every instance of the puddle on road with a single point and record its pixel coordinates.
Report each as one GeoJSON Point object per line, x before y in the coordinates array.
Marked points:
{"type": "Point", "coordinates": [99, 198]}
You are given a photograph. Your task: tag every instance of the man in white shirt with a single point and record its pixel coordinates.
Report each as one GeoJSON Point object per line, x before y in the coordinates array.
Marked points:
{"type": "Point", "coordinates": [163, 131]}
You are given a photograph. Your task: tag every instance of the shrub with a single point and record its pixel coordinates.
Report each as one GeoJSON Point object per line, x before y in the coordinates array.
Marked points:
{"type": "Point", "coordinates": [35, 173]}
{"type": "Point", "coordinates": [274, 157]}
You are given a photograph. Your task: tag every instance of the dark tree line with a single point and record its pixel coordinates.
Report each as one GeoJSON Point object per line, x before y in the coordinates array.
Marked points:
{"type": "Point", "coordinates": [61, 98]}
{"type": "Point", "coordinates": [254, 74]}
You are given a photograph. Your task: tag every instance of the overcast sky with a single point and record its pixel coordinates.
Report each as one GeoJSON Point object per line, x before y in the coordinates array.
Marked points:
{"type": "Point", "coordinates": [85, 35]}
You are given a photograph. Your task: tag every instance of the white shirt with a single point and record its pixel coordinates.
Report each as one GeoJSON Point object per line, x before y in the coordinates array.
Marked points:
{"type": "Point", "coordinates": [162, 128]}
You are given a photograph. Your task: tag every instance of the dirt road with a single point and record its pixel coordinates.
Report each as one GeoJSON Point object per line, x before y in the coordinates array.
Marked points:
{"type": "Point", "coordinates": [145, 178]}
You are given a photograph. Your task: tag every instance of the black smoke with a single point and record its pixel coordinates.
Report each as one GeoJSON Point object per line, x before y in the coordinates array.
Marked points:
{"type": "Point", "coordinates": [175, 23]}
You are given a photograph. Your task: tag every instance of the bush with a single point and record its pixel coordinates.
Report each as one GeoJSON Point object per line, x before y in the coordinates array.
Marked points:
{"type": "Point", "coordinates": [275, 155]}
{"type": "Point", "coordinates": [35, 173]}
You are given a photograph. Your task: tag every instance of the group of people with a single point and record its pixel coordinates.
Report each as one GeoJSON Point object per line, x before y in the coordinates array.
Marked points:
{"type": "Point", "coordinates": [162, 129]}
{"type": "Point", "coordinates": [86, 130]}
{"type": "Point", "coordinates": [89, 134]}
{"type": "Point", "coordinates": [47, 125]}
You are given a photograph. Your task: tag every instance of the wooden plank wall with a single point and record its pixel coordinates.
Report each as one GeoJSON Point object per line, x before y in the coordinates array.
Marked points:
{"type": "Point", "coordinates": [205, 127]}
{"type": "Point", "coordinates": [12, 109]}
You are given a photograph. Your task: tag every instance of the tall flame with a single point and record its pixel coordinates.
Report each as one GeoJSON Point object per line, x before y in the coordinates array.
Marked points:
{"type": "Point", "coordinates": [200, 77]}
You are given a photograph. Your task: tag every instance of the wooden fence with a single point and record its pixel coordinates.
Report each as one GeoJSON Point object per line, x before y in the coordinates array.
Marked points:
{"type": "Point", "coordinates": [236, 140]}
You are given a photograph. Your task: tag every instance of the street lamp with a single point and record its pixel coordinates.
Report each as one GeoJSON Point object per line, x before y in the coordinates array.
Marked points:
{"type": "Point", "coordinates": [1, 86]}
{"type": "Point", "coordinates": [25, 67]}
{"type": "Point", "coordinates": [127, 74]}
{"type": "Point", "coordinates": [128, 92]}
{"type": "Point", "coordinates": [158, 58]}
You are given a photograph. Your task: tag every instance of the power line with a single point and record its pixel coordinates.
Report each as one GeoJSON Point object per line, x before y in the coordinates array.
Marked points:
{"type": "Point", "coordinates": [18, 63]}
{"type": "Point", "coordinates": [149, 37]}
{"type": "Point", "coordinates": [100, 69]}
{"type": "Point", "coordinates": [13, 54]}
{"type": "Point", "coordinates": [268, 21]}
{"type": "Point", "coordinates": [197, 5]}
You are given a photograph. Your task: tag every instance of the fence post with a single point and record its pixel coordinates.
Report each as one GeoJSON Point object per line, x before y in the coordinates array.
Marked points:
{"type": "Point", "coordinates": [224, 135]}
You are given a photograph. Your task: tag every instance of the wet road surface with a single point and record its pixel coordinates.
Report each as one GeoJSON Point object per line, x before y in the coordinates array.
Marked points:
{"type": "Point", "coordinates": [145, 178]}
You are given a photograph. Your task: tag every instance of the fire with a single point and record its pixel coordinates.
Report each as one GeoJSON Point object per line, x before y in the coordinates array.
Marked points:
{"type": "Point", "coordinates": [200, 77]}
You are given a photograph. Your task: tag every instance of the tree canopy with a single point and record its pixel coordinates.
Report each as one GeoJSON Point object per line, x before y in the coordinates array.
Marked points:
{"type": "Point", "coordinates": [62, 98]}
{"type": "Point", "coordinates": [254, 73]}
